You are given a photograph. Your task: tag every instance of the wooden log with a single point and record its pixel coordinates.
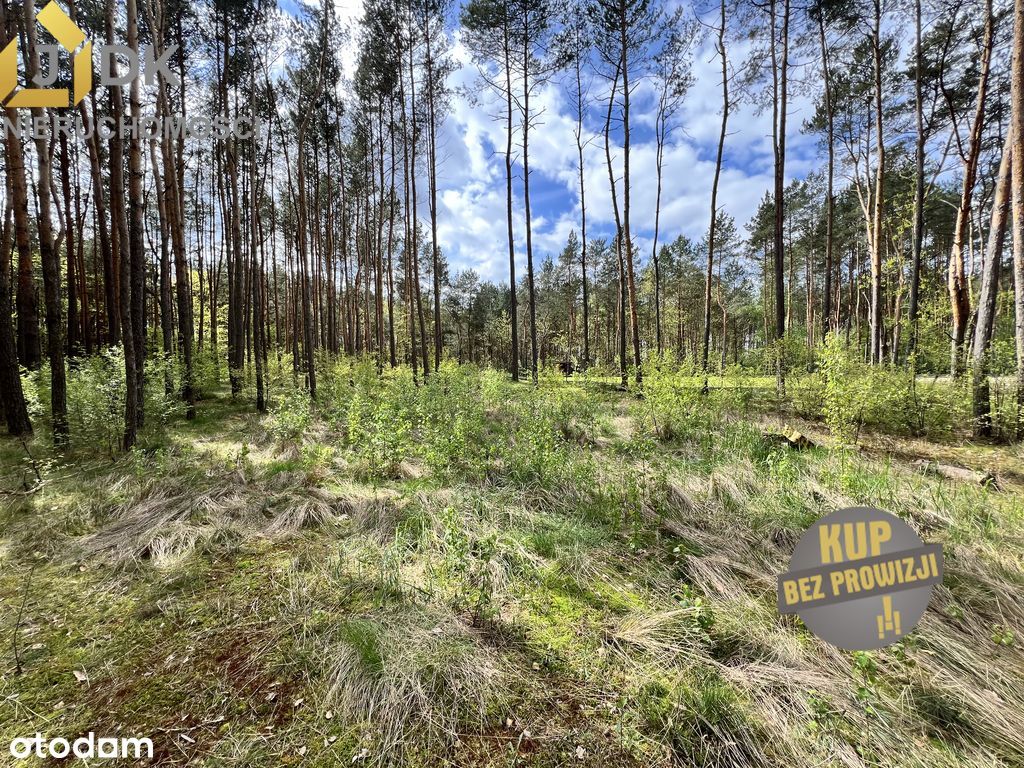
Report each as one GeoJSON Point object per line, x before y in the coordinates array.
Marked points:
{"type": "Point", "coordinates": [961, 474]}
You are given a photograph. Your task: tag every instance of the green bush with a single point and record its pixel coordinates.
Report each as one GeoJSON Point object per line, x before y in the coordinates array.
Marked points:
{"type": "Point", "coordinates": [291, 414]}
{"type": "Point", "coordinates": [96, 389]}
{"type": "Point", "coordinates": [808, 395]}
{"type": "Point", "coordinates": [206, 372]}
{"type": "Point", "coordinates": [572, 408]}
{"type": "Point", "coordinates": [160, 406]}
{"type": "Point", "coordinates": [378, 420]}
{"type": "Point", "coordinates": [856, 395]}
{"type": "Point", "coordinates": [34, 399]}
{"type": "Point", "coordinates": [844, 391]}
{"type": "Point", "coordinates": [454, 424]}
{"type": "Point", "coordinates": [674, 410]}
{"type": "Point", "coordinates": [96, 399]}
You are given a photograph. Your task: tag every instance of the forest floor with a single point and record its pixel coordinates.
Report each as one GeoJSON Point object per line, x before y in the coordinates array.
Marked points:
{"type": "Point", "coordinates": [477, 573]}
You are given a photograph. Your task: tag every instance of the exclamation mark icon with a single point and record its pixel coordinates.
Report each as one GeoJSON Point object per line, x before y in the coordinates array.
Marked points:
{"type": "Point", "coordinates": [889, 620]}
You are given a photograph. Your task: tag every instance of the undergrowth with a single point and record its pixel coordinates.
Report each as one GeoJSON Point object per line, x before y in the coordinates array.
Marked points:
{"type": "Point", "coordinates": [467, 571]}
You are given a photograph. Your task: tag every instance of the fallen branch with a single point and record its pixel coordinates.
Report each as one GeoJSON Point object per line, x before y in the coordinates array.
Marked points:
{"type": "Point", "coordinates": [962, 474]}
{"type": "Point", "coordinates": [17, 624]}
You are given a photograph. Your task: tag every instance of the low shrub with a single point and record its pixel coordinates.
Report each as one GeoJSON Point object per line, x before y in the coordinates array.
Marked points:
{"type": "Point", "coordinates": [855, 395]}
{"type": "Point", "coordinates": [675, 410]}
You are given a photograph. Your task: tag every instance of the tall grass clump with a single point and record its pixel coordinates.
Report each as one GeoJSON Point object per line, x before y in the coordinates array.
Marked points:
{"type": "Point", "coordinates": [414, 679]}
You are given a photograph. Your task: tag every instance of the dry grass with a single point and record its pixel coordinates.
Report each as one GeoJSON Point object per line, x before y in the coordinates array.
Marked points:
{"type": "Point", "coordinates": [413, 680]}
{"type": "Point", "coordinates": [625, 613]}
{"type": "Point", "coordinates": [165, 519]}
{"type": "Point", "coordinates": [949, 680]}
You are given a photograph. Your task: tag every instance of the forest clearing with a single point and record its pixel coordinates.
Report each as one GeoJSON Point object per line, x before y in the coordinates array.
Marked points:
{"type": "Point", "coordinates": [455, 382]}
{"type": "Point", "coordinates": [477, 572]}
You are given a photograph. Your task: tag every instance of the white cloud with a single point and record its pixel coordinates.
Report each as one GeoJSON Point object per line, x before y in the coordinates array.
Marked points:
{"type": "Point", "coordinates": [472, 228]}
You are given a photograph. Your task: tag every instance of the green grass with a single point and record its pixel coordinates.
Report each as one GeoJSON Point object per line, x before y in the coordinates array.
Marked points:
{"type": "Point", "coordinates": [479, 573]}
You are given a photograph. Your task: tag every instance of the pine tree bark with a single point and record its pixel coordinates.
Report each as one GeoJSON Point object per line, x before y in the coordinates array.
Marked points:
{"type": "Point", "coordinates": [71, 281]}
{"type": "Point", "coordinates": [408, 219]}
{"type": "Point", "coordinates": [13, 408]}
{"type": "Point", "coordinates": [780, 104]}
{"type": "Point", "coordinates": [235, 258]}
{"type": "Point", "coordinates": [120, 248]}
{"type": "Point", "coordinates": [959, 289]}
{"type": "Point", "coordinates": [830, 198]}
{"type": "Point", "coordinates": [432, 169]}
{"type": "Point", "coordinates": [513, 299]}
{"type": "Point", "coordinates": [137, 205]}
{"type": "Point", "coordinates": [27, 342]}
{"type": "Point", "coordinates": [878, 208]}
{"type": "Point", "coordinates": [48, 256]}
{"type": "Point", "coordinates": [628, 245]}
{"type": "Point", "coordinates": [301, 224]}
{"type": "Point", "coordinates": [12, 396]}
{"type": "Point", "coordinates": [1017, 179]}
{"type": "Point", "coordinates": [174, 196]}
{"type": "Point", "coordinates": [989, 294]}
{"type": "Point", "coordinates": [166, 316]}
{"type": "Point", "coordinates": [660, 131]}
{"type": "Point", "coordinates": [27, 298]}
{"type": "Point", "coordinates": [620, 307]}
{"type": "Point", "coordinates": [578, 70]}
{"type": "Point", "coordinates": [712, 229]}
{"type": "Point", "coordinates": [392, 204]}
{"type": "Point", "coordinates": [416, 283]}
{"type": "Point", "coordinates": [256, 275]}
{"type": "Point", "coordinates": [919, 152]}
{"type": "Point", "coordinates": [531, 284]}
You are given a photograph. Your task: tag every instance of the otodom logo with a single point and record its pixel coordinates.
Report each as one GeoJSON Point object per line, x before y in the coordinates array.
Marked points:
{"type": "Point", "coordinates": [88, 747]}
{"type": "Point", "coordinates": [73, 40]}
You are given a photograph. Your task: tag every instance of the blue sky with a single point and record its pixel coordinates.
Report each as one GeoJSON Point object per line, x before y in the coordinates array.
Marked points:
{"type": "Point", "coordinates": [471, 171]}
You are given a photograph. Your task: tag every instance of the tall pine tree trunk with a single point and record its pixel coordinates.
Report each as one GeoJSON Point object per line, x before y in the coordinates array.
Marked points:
{"type": "Point", "coordinates": [48, 255]}
{"type": "Point", "coordinates": [578, 67]}
{"type": "Point", "coordinates": [780, 102]}
{"type": "Point", "coordinates": [526, 201]}
{"type": "Point", "coordinates": [830, 198]}
{"type": "Point", "coordinates": [513, 299]}
{"type": "Point", "coordinates": [70, 226]}
{"type": "Point", "coordinates": [959, 289]}
{"type": "Point", "coordinates": [989, 294]}
{"type": "Point", "coordinates": [1017, 179]}
{"type": "Point", "coordinates": [919, 152]}
{"type": "Point", "coordinates": [879, 194]}
{"type": "Point", "coordinates": [432, 159]}
{"type": "Point", "coordinates": [12, 397]}
{"type": "Point", "coordinates": [628, 244]}
{"type": "Point", "coordinates": [705, 352]}
{"type": "Point", "coordinates": [137, 204]}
